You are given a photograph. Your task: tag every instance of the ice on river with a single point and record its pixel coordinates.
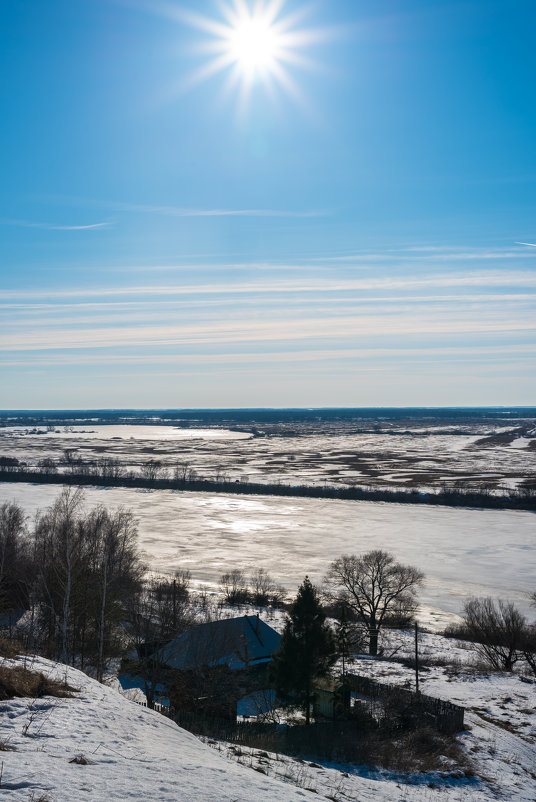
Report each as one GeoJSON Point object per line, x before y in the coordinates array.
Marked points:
{"type": "Point", "coordinates": [463, 552]}
{"type": "Point", "coordinates": [128, 432]}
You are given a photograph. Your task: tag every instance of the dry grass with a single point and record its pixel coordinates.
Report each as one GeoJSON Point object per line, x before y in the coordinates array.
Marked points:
{"type": "Point", "coordinates": [421, 751]}
{"type": "Point", "coordinates": [10, 648]}
{"type": "Point", "coordinates": [5, 746]}
{"type": "Point", "coordinates": [81, 760]}
{"type": "Point", "coordinates": [18, 681]}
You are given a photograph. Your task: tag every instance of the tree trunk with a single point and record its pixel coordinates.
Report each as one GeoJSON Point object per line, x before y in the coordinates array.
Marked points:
{"type": "Point", "coordinates": [100, 669]}
{"type": "Point", "coordinates": [373, 639]}
{"type": "Point", "coordinates": [66, 604]}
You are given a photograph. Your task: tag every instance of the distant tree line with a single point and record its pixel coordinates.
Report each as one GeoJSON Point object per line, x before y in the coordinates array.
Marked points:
{"type": "Point", "coordinates": [153, 474]}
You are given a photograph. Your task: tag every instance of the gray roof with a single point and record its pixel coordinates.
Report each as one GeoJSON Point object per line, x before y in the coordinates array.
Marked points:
{"type": "Point", "coordinates": [235, 642]}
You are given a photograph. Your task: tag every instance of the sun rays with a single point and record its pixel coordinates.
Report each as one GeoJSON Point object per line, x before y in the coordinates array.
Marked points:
{"type": "Point", "coordinates": [252, 44]}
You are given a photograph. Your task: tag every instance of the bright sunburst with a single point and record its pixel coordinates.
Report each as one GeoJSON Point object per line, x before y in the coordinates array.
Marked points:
{"type": "Point", "coordinates": [253, 42]}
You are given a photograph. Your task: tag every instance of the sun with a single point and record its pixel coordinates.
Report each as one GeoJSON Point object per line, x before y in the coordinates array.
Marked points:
{"type": "Point", "coordinates": [254, 43]}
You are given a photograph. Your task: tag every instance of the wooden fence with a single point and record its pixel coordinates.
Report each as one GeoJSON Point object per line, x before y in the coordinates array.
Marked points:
{"type": "Point", "coordinates": [443, 716]}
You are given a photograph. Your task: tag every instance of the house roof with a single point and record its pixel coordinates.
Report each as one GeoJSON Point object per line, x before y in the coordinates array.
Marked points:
{"type": "Point", "coordinates": [235, 642]}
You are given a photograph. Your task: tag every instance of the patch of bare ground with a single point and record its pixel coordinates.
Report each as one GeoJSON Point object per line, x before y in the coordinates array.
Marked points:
{"type": "Point", "coordinates": [509, 726]}
{"type": "Point", "coordinates": [503, 439]}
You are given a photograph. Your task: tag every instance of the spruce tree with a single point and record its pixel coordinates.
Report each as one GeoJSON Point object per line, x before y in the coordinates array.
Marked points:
{"type": "Point", "coordinates": [344, 635]}
{"type": "Point", "coordinates": [306, 653]}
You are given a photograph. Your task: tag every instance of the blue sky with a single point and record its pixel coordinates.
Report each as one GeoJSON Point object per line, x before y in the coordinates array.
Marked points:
{"type": "Point", "coordinates": [347, 238]}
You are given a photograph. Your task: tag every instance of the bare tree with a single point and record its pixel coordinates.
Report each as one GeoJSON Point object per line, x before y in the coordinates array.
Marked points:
{"type": "Point", "coordinates": [87, 570]}
{"type": "Point", "coordinates": [15, 565]}
{"type": "Point", "coordinates": [183, 472]}
{"type": "Point", "coordinates": [47, 465]}
{"type": "Point", "coordinates": [374, 586]}
{"type": "Point", "coordinates": [58, 547]}
{"type": "Point", "coordinates": [118, 575]}
{"type": "Point", "coordinates": [529, 647]}
{"type": "Point", "coordinates": [234, 587]}
{"type": "Point", "coordinates": [153, 470]}
{"type": "Point", "coordinates": [497, 629]}
{"type": "Point", "coordinates": [108, 468]}
{"type": "Point", "coordinates": [262, 586]}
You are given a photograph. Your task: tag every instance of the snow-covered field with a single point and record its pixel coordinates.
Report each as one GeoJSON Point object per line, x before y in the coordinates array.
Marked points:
{"type": "Point", "coordinates": [137, 754]}
{"type": "Point", "coordinates": [487, 455]}
{"type": "Point", "coordinates": [463, 552]}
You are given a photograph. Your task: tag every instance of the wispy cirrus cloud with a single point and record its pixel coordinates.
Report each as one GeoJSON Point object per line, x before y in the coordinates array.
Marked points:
{"type": "Point", "coordinates": [6, 221]}
{"type": "Point", "coordinates": [501, 278]}
{"type": "Point", "coordinates": [187, 211]}
{"type": "Point", "coordinates": [250, 330]}
{"type": "Point", "coordinates": [41, 312]}
{"type": "Point", "coordinates": [180, 211]}
{"type": "Point", "coordinates": [431, 254]}
{"type": "Point", "coordinates": [498, 352]}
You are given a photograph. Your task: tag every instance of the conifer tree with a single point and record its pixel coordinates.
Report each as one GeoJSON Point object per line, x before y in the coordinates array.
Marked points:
{"type": "Point", "coordinates": [345, 636]}
{"type": "Point", "coordinates": [306, 653]}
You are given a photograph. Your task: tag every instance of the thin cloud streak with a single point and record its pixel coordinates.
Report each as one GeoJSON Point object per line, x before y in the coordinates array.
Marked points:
{"type": "Point", "coordinates": [275, 356]}
{"type": "Point", "coordinates": [119, 306]}
{"type": "Point", "coordinates": [178, 211]}
{"type": "Point", "coordinates": [282, 330]}
{"type": "Point", "coordinates": [185, 211]}
{"type": "Point", "coordinates": [52, 226]}
{"type": "Point", "coordinates": [425, 255]}
{"type": "Point", "coordinates": [505, 278]}
{"type": "Point", "coordinates": [162, 311]}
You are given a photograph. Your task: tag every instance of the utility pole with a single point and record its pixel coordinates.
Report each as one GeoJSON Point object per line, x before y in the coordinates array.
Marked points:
{"type": "Point", "coordinates": [416, 657]}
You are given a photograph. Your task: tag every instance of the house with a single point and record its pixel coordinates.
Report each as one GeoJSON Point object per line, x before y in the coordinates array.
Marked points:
{"type": "Point", "coordinates": [210, 667]}
{"type": "Point", "coordinates": [237, 643]}
{"type": "Point", "coordinates": [220, 668]}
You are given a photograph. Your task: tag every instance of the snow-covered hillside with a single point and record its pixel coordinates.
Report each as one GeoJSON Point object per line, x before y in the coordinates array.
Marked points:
{"type": "Point", "coordinates": [137, 754]}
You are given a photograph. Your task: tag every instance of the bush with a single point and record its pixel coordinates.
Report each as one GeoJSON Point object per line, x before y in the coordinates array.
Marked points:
{"type": "Point", "coordinates": [497, 629]}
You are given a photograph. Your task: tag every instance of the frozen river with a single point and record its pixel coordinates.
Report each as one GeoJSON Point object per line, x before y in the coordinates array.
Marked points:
{"type": "Point", "coordinates": [463, 552]}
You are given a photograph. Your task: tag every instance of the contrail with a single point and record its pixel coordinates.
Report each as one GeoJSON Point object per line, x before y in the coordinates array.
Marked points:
{"type": "Point", "coordinates": [532, 244]}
